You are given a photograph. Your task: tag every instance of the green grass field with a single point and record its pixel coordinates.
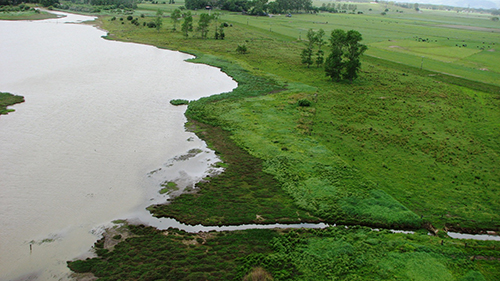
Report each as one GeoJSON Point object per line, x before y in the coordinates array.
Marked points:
{"type": "Point", "coordinates": [399, 147]}
{"type": "Point", "coordinates": [462, 44]}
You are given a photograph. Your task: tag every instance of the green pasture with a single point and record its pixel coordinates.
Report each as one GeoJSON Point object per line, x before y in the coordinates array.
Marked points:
{"type": "Point", "coordinates": [398, 147]}
{"type": "Point", "coordinates": [452, 43]}
{"type": "Point", "coordinates": [432, 51]}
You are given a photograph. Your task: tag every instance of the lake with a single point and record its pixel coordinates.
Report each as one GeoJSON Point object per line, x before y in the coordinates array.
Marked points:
{"type": "Point", "coordinates": [79, 152]}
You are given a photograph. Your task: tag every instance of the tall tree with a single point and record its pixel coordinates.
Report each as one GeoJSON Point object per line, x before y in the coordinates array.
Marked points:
{"type": "Point", "coordinates": [320, 42]}
{"type": "Point", "coordinates": [346, 49]}
{"type": "Point", "coordinates": [203, 24]}
{"type": "Point", "coordinates": [333, 63]}
{"type": "Point", "coordinates": [187, 25]}
{"type": "Point", "coordinates": [307, 53]}
{"type": "Point", "coordinates": [159, 20]}
{"type": "Point", "coordinates": [175, 16]}
{"type": "Point", "coordinates": [353, 50]}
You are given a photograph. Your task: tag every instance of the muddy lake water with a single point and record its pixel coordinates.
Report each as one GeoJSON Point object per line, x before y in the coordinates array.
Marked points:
{"type": "Point", "coordinates": [78, 153]}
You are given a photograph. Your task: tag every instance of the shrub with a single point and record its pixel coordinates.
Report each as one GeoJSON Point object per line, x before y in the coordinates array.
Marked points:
{"type": "Point", "coordinates": [151, 24]}
{"type": "Point", "coordinates": [130, 17]}
{"type": "Point", "coordinates": [241, 49]}
{"type": "Point", "coordinates": [304, 102]}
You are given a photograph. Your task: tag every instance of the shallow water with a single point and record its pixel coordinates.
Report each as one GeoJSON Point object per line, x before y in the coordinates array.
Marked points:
{"type": "Point", "coordinates": [78, 153]}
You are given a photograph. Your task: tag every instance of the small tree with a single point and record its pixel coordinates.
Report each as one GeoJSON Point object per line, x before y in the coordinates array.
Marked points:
{"type": "Point", "coordinates": [241, 49]}
{"type": "Point", "coordinates": [307, 53]}
{"type": "Point", "coordinates": [219, 32]}
{"type": "Point", "coordinates": [203, 24]}
{"type": "Point", "coordinates": [187, 25]}
{"type": "Point", "coordinates": [175, 16]}
{"type": "Point", "coordinates": [158, 20]}
{"type": "Point", "coordinates": [320, 42]}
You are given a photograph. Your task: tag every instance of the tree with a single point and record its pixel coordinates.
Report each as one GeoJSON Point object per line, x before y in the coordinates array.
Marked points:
{"type": "Point", "coordinates": [334, 64]}
{"type": "Point", "coordinates": [187, 25]}
{"type": "Point", "coordinates": [203, 24]}
{"type": "Point", "coordinates": [241, 49]}
{"type": "Point", "coordinates": [343, 62]}
{"type": "Point", "coordinates": [219, 32]}
{"type": "Point", "coordinates": [320, 42]}
{"type": "Point", "coordinates": [175, 16]}
{"type": "Point", "coordinates": [353, 51]}
{"type": "Point", "coordinates": [48, 3]}
{"type": "Point", "coordinates": [307, 53]}
{"type": "Point", "coordinates": [158, 21]}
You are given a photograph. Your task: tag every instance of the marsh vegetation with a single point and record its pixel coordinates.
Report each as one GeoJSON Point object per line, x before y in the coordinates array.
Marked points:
{"type": "Point", "coordinates": [7, 99]}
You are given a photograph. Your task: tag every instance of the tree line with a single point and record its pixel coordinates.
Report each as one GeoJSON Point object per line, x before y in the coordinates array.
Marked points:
{"type": "Point", "coordinates": [131, 4]}
{"type": "Point", "coordinates": [254, 7]}
{"type": "Point", "coordinates": [343, 62]}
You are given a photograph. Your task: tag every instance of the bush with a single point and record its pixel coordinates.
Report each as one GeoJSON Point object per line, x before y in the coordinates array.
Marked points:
{"type": "Point", "coordinates": [305, 102]}
{"type": "Point", "coordinates": [151, 24]}
{"type": "Point", "coordinates": [130, 17]}
{"type": "Point", "coordinates": [241, 49]}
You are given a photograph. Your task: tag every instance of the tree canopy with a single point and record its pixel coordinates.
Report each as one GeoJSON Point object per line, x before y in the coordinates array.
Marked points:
{"type": "Point", "coordinates": [343, 61]}
{"type": "Point", "coordinates": [253, 7]}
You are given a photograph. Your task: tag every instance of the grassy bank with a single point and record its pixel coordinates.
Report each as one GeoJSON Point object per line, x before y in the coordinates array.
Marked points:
{"type": "Point", "coordinates": [243, 194]}
{"type": "Point", "coordinates": [356, 253]}
{"type": "Point", "coordinates": [7, 99]}
{"type": "Point", "coordinates": [25, 15]}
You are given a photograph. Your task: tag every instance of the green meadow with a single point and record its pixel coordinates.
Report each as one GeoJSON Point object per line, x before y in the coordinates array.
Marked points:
{"type": "Point", "coordinates": [412, 142]}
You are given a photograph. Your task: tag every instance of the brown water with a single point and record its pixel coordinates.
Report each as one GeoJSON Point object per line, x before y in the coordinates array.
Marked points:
{"type": "Point", "coordinates": [77, 154]}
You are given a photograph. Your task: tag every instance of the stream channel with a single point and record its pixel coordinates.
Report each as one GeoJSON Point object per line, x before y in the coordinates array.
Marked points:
{"type": "Point", "coordinates": [93, 142]}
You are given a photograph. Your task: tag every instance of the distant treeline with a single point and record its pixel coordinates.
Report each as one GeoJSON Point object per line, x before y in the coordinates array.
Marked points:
{"type": "Point", "coordinates": [254, 7]}
{"type": "Point", "coordinates": [46, 3]}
